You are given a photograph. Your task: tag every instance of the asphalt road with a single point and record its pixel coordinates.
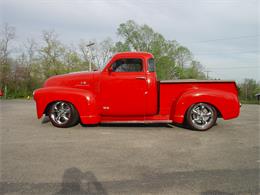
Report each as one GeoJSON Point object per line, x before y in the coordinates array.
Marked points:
{"type": "Point", "coordinates": [37, 158]}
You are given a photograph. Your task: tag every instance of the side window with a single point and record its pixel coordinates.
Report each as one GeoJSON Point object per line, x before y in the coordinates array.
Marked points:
{"type": "Point", "coordinates": [151, 65]}
{"type": "Point", "coordinates": [128, 65]}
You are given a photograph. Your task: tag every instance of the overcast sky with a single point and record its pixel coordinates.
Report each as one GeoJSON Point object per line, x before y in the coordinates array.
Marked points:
{"type": "Point", "coordinates": [224, 35]}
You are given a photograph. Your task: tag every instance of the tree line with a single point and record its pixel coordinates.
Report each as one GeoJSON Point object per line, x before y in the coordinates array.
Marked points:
{"type": "Point", "coordinates": [23, 70]}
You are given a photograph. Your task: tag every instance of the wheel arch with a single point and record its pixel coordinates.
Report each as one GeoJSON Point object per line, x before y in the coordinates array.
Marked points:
{"type": "Point", "coordinates": [222, 101]}
{"type": "Point", "coordinates": [84, 101]}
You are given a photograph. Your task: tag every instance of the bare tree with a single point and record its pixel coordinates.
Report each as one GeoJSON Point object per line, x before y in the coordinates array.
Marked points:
{"type": "Point", "coordinates": [7, 34]}
{"type": "Point", "coordinates": [29, 53]}
{"type": "Point", "coordinates": [51, 54]}
{"type": "Point", "coordinates": [84, 49]}
{"type": "Point", "coordinates": [100, 52]}
{"type": "Point", "coordinates": [32, 63]}
{"type": "Point", "coordinates": [103, 51]}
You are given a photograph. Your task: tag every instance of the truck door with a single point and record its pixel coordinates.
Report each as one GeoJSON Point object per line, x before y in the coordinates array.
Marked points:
{"type": "Point", "coordinates": [123, 88]}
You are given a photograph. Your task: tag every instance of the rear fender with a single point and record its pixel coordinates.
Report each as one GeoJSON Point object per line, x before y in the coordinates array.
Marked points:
{"type": "Point", "coordinates": [83, 100]}
{"type": "Point", "coordinates": [226, 103]}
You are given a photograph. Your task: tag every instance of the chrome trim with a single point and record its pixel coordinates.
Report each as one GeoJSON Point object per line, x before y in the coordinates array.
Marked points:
{"type": "Point", "coordinates": [201, 115]}
{"type": "Point", "coordinates": [140, 78]}
{"type": "Point", "coordinates": [196, 81]}
{"type": "Point", "coordinates": [60, 112]}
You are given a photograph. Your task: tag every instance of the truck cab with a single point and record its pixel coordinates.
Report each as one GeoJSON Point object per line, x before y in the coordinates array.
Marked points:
{"type": "Point", "coordinates": [129, 82]}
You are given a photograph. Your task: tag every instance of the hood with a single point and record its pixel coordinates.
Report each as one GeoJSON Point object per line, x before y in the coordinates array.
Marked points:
{"type": "Point", "coordinates": [75, 79]}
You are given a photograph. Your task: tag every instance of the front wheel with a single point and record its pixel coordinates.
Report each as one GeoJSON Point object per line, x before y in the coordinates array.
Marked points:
{"type": "Point", "coordinates": [201, 116]}
{"type": "Point", "coordinates": [63, 114]}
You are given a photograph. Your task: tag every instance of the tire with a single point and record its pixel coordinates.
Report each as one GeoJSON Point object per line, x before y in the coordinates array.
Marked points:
{"type": "Point", "coordinates": [63, 114]}
{"type": "Point", "coordinates": [201, 116]}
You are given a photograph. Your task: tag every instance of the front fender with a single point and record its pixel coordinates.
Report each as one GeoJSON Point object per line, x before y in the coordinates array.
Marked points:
{"type": "Point", "coordinates": [83, 100]}
{"type": "Point", "coordinates": [226, 103]}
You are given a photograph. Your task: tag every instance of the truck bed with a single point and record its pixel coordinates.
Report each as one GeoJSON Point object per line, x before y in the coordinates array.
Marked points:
{"type": "Point", "coordinates": [171, 90]}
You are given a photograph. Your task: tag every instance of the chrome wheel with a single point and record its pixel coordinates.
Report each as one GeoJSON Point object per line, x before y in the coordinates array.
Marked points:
{"type": "Point", "coordinates": [60, 113]}
{"type": "Point", "coordinates": [201, 116]}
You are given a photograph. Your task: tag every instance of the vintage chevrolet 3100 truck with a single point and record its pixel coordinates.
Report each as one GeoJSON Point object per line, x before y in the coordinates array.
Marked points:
{"type": "Point", "coordinates": [127, 90]}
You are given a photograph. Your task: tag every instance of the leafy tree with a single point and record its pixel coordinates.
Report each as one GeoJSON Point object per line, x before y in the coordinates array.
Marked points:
{"type": "Point", "coordinates": [169, 55]}
{"type": "Point", "coordinates": [182, 56]}
{"type": "Point", "coordinates": [194, 71]}
{"type": "Point", "coordinates": [72, 60]}
{"type": "Point", "coordinates": [248, 89]}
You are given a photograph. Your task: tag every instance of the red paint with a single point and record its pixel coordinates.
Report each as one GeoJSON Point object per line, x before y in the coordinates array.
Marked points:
{"type": "Point", "coordinates": [134, 96]}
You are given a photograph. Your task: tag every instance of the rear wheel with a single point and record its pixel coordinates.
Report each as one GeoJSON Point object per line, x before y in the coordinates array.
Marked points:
{"type": "Point", "coordinates": [201, 116]}
{"type": "Point", "coordinates": [63, 114]}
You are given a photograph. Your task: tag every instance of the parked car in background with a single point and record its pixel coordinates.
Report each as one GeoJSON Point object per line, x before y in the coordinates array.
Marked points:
{"type": "Point", "coordinates": [127, 91]}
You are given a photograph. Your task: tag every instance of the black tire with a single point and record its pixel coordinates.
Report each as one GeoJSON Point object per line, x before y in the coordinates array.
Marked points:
{"type": "Point", "coordinates": [63, 114]}
{"type": "Point", "coordinates": [201, 116]}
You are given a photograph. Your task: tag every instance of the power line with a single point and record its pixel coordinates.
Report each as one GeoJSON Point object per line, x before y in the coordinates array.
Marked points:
{"type": "Point", "coordinates": [232, 67]}
{"type": "Point", "coordinates": [228, 38]}
{"type": "Point", "coordinates": [227, 52]}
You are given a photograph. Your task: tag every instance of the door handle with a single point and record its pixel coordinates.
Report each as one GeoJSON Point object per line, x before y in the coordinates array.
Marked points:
{"type": "Point", "coordinates": [140, 78]}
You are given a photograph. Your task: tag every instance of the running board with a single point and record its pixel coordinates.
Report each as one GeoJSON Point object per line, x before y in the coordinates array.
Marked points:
{"type": "Point", "coordinates": [139, 122]}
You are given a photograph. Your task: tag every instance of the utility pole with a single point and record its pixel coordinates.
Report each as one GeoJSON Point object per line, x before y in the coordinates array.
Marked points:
{"type": "Point", "coordinates": [246, 92]}
{"type": "Point", "coordinates": [207, 74]}
{"type": "Point", "coordinates": [90, 61]}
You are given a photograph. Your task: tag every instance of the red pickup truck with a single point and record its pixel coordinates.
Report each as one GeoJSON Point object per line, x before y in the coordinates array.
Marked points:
{"type": "Point", "coordinates": [127, 91]}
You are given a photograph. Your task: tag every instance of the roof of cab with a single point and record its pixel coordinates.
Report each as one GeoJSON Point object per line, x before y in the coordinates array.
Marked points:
{"type": "Point", "coordinates": [133, 54]}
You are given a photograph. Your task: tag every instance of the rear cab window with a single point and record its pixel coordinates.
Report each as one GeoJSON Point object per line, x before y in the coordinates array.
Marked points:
{"type": "Point", "coordinates": [151, 65]}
